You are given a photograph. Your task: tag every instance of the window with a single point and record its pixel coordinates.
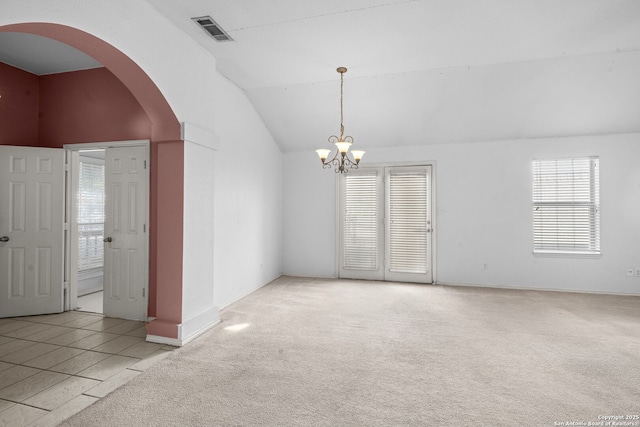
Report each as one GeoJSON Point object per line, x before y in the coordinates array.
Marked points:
{"type": "Point", "coordinates": [90, 215]}
{"type": "Point", "coordinates": [566, 206]}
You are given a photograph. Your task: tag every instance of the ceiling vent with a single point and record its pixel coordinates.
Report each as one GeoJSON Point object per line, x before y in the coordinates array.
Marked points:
{"type": "Point", "coordinates": [210, 26]}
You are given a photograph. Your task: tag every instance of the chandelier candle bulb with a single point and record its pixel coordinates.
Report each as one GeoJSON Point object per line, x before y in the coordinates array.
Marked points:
{"type": "Point", "coordinates": [341, 159]}
{"type": "Point", "coordinates": [357, 155]}
{"type": "Point", "coordinates": [343, 147]}
{"type": "Point", "coordinates": [323, 153]}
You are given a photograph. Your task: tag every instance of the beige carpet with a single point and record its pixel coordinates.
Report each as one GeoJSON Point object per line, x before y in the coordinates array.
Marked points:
{"type": "Point", "coordinates": [355, 353]}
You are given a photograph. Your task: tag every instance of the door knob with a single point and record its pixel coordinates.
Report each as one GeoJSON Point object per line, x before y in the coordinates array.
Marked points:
{"type": "Point", "coordinates": [4, 239]}
{"type": "Point", "coordinates": [107, 240]}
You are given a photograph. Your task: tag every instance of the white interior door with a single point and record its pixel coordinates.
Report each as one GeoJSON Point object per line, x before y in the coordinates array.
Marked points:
{"type": "Point", "coordinates": [125, 250]}
{"type": "Point", "coordinates": [31, 230]}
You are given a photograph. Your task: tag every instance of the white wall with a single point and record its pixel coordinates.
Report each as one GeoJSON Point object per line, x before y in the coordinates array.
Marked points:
{"type": "Point", "coordinates": [484, 213]}
{"type": "Point", "coordinates": [248, 206]}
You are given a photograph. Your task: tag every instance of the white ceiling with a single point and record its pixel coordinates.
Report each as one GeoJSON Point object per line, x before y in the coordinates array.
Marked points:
{"type": "Point", "coordinates": [287, 42]}
{"type": "Point", "coordinates": [41, 55]}
{"type": "Point", "coordinates": [420, 71]}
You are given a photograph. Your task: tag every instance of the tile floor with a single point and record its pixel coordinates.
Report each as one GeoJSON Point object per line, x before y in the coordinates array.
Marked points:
{"type": "Point", "coordinates": [53, 366]}
{"type": "Point", "coordinates": [91, 302]}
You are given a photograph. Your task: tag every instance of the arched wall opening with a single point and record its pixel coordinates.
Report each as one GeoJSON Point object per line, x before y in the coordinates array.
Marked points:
{"type": "Point", "coordinates": [167, 171]}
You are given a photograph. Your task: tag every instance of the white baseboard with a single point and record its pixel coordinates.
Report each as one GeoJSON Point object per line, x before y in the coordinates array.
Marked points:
{"type": "Point", "coordinates": [190, 329]}
{"type": "Point", "coordinates": [164, 340]}
{"type": "Point", "coordinates": [532, 288]}
{"type": "Point", "coordinates": [199, 324]}
{"type": "Point", "coordinates": [249, 293]}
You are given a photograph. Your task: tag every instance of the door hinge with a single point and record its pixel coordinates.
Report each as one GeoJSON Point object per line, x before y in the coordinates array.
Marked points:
{"type": "Point", "coordinates": [144, 228]}
{"type": "Point", "coordinates": [66, 226]}
{"type": "Point", "coordinates": [144, 292]}
{"type": "Point", "coordinates": [145, 164]}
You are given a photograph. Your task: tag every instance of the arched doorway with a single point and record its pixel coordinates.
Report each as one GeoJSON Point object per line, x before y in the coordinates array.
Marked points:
{"type": "Point", "coordinates": [167, 171]}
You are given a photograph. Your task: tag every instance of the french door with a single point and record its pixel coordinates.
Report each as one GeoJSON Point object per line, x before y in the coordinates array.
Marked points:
{"type": "Point", "coordinates": [385, 227]}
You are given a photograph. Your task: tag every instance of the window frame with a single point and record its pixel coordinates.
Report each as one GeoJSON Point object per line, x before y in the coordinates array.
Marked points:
{"type": "Point", "coordinates": [594, 208]}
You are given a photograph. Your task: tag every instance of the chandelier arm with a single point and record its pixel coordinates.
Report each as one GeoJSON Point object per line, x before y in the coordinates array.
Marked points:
{"type": "Point", "coordinates": [327, 164]}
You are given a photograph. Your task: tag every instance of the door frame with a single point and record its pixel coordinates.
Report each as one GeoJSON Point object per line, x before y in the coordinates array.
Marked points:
{"type": "Point", "coordinates": [434, 212]}
{"type": "Point", "coordinates": [71, 231]}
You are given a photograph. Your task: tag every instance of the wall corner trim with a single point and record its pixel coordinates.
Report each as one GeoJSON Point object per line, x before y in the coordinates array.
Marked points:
{"type": "Point", "coordinates": [200, 136]}
{"type": "Point", "coordinates": [190, 329]}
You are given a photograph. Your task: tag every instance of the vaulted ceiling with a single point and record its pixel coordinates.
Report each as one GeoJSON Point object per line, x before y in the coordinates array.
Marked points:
{"type": "Point", "coordinates": [424, 71]}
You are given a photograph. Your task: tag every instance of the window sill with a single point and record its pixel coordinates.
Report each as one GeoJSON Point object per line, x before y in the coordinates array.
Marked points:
{"type": "Point", "coordinates": [552, 254]}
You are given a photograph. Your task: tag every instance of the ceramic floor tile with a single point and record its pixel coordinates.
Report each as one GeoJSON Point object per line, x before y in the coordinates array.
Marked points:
{"type": "Point", "coordinates": [5, 365]}
{"type": "Point", "coordinates": [27, 330]}
{"type": "Point", "coordinates": [16, 374]}
{"type": "Point", "coordinates": [20, 415]}
{"type": "Point", "coordinates": [108, 367]}
{"type": "Point", "coordinates": [29, 353]}
{"type": "Point", "coordinates": [124, 327]}
{"type": "Point", "coordinates": [13, 325]}
{"type": "Point", "coordinates": [52, 332]}
{"type": "Point", "coordinates": [65, 411]}
{"type": "Point", "coordinates": [61, 318]}
{"type": "Point", "coordinates": [31, 386]}
{"type": "Point", "coordinates": [13, 346]}
{"type": "Point", "coordinates": [139, 332]}
{"type": "Point", "coordinates": [5, 404]}
{"type": "Point", "coordinates": [141, 350]}
{"type": "Point", "coordinates": [91, 303]}
{"type": "Point", "coordinates": [94, 340]}
{"type": "Point", "coordinates": [79, 363]}
{"type": "Point", "coordinates": [150, 360]}
{"type": "Point", "coordinates": [106, 387]}
{"type": "Point", "coordinates": [104, 323]}
{"type": "Point", "coordinates": [54, 358]}
{"type": "Point", "coordinates": [118, 344]}
{"type": "Point", "coordinates": [61, 393]}
{"type": "Point", "coordinates": [45, 318]}
{"type": "Point", "coordinates": [81, 322]}
{"type": "Point", "coordinates": [68, 338]}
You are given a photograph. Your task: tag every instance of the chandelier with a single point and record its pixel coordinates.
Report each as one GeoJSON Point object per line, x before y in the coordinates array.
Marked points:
{"type": "Point", "coordinates": [340, 160]}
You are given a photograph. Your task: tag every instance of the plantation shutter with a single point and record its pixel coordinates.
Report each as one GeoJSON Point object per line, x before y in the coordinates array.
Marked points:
{"type": "Point", "coordinates": [360, 225]}
{"type": "Point", "coordinates": [90, 215]}
{"type": "Point", "coordinates": [566, 205]}
{"type": "Point", "coordinates": [408, 221]}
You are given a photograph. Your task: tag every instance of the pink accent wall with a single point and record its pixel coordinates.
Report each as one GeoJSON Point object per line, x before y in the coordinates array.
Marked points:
{"type": "Point", "coordinates": [167, 151]}
{"type": "Point", "coordinates": [18, 106]}
{"type": "Point", "coordinates": [168, 169]}
{"type": "Point", "coordinates": [88, 106]}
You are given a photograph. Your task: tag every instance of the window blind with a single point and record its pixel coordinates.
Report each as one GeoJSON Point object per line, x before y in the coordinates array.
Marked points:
{"type": "Point", "coordinates": [90, 216]}
{"type": "Point", "coordinates": [360, 224]}
{"type": "Point", "coordinates": [407, 228]}
{"type": "Point", "coordinates": [566, 205]}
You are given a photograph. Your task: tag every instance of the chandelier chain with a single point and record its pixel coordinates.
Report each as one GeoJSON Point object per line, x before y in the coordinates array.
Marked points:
{"type": "Point", "coordinates": [341, 108]}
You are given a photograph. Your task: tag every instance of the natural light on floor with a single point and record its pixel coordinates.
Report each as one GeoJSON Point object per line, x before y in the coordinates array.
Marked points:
{"type": "Point", "coordinates": [238, 327]}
